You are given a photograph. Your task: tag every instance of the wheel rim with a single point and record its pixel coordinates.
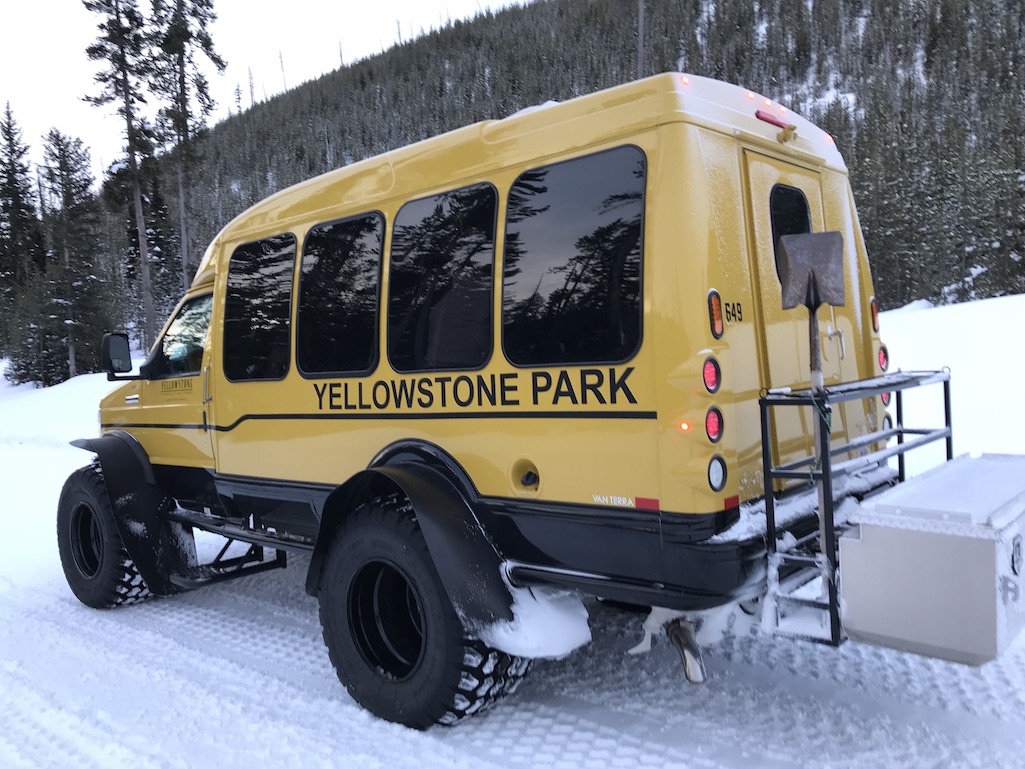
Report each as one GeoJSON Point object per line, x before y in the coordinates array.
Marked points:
{"type": "Point", "coordinates": [86, 541]}
{"type": "Point", "coordinates": [386, 620]}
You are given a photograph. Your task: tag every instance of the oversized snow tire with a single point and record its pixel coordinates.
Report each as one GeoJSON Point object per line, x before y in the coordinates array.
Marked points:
{"type": "Point", "coordinates": [390, 629]}
{"type": "Point", "coordinates": [98, 568]}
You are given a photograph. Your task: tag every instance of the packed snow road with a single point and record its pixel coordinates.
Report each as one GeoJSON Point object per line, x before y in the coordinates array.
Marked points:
{"type": "Point", "coordinates": [236, 675]}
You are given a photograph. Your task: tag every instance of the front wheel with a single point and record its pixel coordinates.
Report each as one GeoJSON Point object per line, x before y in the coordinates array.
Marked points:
{"type": "Point", "coordinates": [98, 568]}
{"type": "Point", "coordinates": [391, 632]}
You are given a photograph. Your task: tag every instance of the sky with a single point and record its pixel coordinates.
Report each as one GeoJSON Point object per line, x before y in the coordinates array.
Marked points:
{"type": "Point", "coordinates": [45, 73]}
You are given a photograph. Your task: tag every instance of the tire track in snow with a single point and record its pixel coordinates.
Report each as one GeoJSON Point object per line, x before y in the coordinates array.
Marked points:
{"type": "Point", "coordinates": [250, 657]}
{"type": "Point", "coordinates": [227, 667]}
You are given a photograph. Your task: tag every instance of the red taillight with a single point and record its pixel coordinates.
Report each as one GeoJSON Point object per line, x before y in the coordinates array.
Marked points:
{"type": "Point", "coordinates": [711, 375]}
{"type": "Point", "coordinates": [885, 398]}
{"type": "Point", "coordinates": [874, 307]}
{"type": "Point", "coordinates": [713, 425]}
{"type": "Point", "coordinates": [884, 357]}
{"type": "Point", "coordinates": [715, 313]}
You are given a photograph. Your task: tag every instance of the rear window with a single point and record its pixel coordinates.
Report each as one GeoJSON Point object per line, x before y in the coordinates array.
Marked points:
{"type": "Point", "coordinates": [790, 215]}
{"type": "Point", "coordinates": [572, 271]}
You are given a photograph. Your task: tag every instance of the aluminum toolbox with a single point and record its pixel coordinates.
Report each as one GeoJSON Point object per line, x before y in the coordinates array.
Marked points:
{"type": "Point", "coordinates": [934, 565]}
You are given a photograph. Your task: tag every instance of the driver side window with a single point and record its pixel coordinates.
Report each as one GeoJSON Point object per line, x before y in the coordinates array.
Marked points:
{"type": "Point", "coordinates": [181, 349]}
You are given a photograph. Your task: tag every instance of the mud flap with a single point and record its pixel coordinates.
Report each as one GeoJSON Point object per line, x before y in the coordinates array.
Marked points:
{"type": "Point", "coordinates": [156, 546]}
{"type": "Point", "coordinates": [467, 562]}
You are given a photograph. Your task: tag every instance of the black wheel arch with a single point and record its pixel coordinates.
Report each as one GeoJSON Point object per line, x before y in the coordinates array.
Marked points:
{"type": "Point", "coordinates": [136, 498]}
{"type": "Point", "coordinates": [444, 501]}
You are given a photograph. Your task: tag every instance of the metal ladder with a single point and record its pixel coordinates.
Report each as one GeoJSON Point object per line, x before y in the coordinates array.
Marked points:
{"type": "Point", "coordinates": [802, 581]}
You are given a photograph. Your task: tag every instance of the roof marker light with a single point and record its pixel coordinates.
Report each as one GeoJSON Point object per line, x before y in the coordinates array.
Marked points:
{"type": "Point", "coordinates": [684, 80]}
{"type": "Point", "coordinates": [750, 95]}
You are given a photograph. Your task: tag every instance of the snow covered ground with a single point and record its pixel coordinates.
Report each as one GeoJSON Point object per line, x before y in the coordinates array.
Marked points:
{"type": "Point", "coordinates": [236, 675]}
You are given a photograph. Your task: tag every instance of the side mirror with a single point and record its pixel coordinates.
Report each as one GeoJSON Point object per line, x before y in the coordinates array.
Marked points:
{"type": "Point", "coordinates": [116, 355]}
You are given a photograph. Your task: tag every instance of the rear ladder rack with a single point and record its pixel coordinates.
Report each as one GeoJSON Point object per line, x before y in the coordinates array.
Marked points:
{"type": "Point", "coordinates": [794, 570]}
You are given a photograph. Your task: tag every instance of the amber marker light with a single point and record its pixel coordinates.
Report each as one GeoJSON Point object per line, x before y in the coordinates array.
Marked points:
{"type": "Point", "coordinates": [715, 313]}
{"type": "Point", "coordinates": [874, 307]}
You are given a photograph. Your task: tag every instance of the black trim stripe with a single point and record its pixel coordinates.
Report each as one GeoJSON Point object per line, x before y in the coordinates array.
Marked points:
{"type": "Point", "coordinates": [394, 416]}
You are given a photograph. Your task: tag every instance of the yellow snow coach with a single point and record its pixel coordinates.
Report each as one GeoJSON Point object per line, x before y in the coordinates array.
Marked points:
{"type": "Point", "coordinates": [532, 352]}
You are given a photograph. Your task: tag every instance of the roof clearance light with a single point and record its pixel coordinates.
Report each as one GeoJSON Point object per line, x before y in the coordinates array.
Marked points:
{"type": "Point", "coordinates": [717, 473]}
{"type": "Point", "coordinates": [715, 313]}
{"type": "Point", "coordinates": [713, 424]}
{"type": "Point", "coordinates": [711, 375]}
{"type": "Point", "coordinates": [684, 80]}
{"type": "Point", "coordinates": [783, 110]}
{"type": "Point", "coordinates": [884, 357]}
{"type": "Point", "coordinates": [874, 307]}
{"type": "Point", "coordinates": [829, 138]}
{"type": "Point", "coordinates": [750, 95]}
{"type": "Point", "coordinates": [768, 102]}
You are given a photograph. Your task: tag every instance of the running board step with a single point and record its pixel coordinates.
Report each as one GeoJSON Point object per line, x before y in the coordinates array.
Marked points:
{"type": "Point", "coordinates": [225, 570]}
{"type": "Point", "coordinates": [226, 528]}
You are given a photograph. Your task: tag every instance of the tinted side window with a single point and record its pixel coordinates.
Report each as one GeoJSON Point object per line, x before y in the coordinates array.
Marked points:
{"type": "Point", "coordinates": [181, 349]}
{"type": "Point", "coordinates": [336, 329]}
{"type": "Point", "coordinates": [790, 215]}
{"type": "Point", "coordinates": [572, 274]}
{"type": "Point", "coordinates": [440, 281]}
{"type": "Point", "coordinates": [256, 309]}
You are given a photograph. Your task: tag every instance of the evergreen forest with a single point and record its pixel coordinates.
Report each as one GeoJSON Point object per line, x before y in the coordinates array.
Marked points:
{"type": "Point", "coordinates": [925, 98]}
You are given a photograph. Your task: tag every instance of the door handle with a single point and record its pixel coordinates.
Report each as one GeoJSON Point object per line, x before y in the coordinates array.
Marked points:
{"type": "Point", "coordinates": [206, 385]}
{"type": "Point", "coordinates": [831, 332]}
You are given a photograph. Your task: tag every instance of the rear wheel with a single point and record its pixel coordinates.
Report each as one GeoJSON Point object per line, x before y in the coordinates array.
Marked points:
{"type": "Point", "coordinates": [390, 629]}
{"type": "Point", "coordinates": [96, 564]}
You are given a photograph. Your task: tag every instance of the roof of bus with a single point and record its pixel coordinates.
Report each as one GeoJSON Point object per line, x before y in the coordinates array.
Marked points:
{"type": "Point", "coordinates": [528, 137]}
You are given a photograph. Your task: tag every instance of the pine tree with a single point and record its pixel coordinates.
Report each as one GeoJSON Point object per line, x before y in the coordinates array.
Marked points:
{"type": "Point", "coordinates": [182, 32]}
{"type": "Point", "coordinates": [123, 48]}
{"type": "Point", "coordinates": [21, 238]}
{"type": "Point", "coordinates": [72, 225]}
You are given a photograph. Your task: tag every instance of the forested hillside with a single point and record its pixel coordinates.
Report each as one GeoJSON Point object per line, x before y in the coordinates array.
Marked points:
{"type": "Point", "coordinates": [926, 99]}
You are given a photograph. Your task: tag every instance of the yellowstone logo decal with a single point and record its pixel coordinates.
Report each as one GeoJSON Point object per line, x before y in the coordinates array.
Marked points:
{"type": "Point", "coordinates": [585, 387]}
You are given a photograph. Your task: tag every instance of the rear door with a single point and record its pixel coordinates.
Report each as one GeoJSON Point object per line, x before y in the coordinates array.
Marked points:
{"type": "Point", "coordinates": [786, 199]}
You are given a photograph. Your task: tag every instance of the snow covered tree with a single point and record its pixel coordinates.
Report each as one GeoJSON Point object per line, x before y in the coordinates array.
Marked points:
{"type": "Point", "coordinates": [123, 49]}
{"type": "Point", "coordinates": [182, 35]}
{"type": "Point", "coordinates": [21, 238]}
